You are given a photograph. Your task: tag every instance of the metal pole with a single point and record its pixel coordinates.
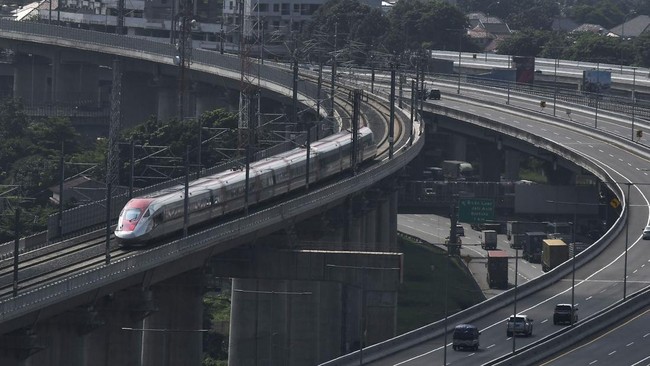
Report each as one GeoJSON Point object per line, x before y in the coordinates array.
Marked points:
{"type": "Point", "coordinates": [109, 189]}
{"type": "Point", "coordinates": [460, 45]}
{"type": "Point", "coordinates": [186, 199]}
{"type": "Point", "coordinates": [16, 244]}
{"type": "Point", "coordinates": [199, 157]}
{"type": "Point", "coordinates": [61, 180]}
{"type": "Point", "coordinates": [444, 346]}
{"type": "Point", "coordinates": [627, 220]}
{"type": "Point", "coordinates": [391, 128]}
{"type": "Point", "coordinates": [362, 323]}
{"type": "Point", "coordinates": [633, 98]}
{"type": "Point", "coordinates": [555, 85]}
{"type": "Point", "coordinates": [573, 272]}
{"type": "Point", "coordinates": [132, 158]}
{"type": "Point", "coordinates": [514, 335]}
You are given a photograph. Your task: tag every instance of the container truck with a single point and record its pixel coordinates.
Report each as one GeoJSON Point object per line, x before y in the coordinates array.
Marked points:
{"type": "Point", "coordinates": [554, 253]}
{"type": "Point", "coordinates": [497, 269]}
{"type": "Point", "coordinates": [488, 239]}
{"type": "Point", "coordinates": [456, 169]}
{"type": "Point", "coordinates": [516, 231]}
{"type": "Point", "coordinates": [533, 246]}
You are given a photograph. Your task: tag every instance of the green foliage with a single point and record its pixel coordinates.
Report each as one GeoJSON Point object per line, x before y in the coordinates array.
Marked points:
{"type": "Point", "coordinates": [416, 23]}
{"type": "Point", "coordinates": [525, 43]}
{"type": "Point", "coordinates": [344, 27]}
{"type": "Point", "coordinates": [421, 296]}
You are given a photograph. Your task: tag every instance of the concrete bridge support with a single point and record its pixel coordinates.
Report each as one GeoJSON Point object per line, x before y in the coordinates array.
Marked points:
{"type": "Point", "coordinates": [31, 74]}
{"type": "Point", "coordinates": [77, 84]}
{"type": "Point", "coordinates": [459, 147]}
{"type": "Point", "coordinates": [173, 335]}
{"type": "Point", "coordinates": [314, 316]}
{"type": "Point", "coordinates": [139, 98]}
{"type": "Point", "coordinates": [167, 98]}
{"type": "Point", "coordinates": [513, 159]}
{"type": "Point", "coordinates": [490, 162]}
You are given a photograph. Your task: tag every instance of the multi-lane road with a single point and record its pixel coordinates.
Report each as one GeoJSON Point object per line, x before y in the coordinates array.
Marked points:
{"type": "Point", "coordinates": [598, 284]}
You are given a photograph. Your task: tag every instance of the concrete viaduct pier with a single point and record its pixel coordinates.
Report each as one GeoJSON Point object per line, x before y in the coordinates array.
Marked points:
{"type": "Point", "coordinates": [318, 288]}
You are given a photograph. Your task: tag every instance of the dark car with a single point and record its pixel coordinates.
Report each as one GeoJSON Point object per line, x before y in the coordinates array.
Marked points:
{"type": "Point", "coordinates": [563, 314]}
{"type": "Point", "coordinates": [465, 336]}
{"type": "Point", "coordinates": [434, 94]}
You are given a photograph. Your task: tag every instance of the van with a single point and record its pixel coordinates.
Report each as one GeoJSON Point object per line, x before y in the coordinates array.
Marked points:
{"type": "Point", "coordinates": [465, 336]}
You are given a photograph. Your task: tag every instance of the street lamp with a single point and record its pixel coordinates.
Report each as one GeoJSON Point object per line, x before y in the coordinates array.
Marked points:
{"type": "Point", "coordinates": [633, 98]}
{"type": "Point", "coordinates": [514, 335]}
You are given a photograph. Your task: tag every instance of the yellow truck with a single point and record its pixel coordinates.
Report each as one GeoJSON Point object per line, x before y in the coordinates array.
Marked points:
{"type": "Point", "coordinates": [554, 253]}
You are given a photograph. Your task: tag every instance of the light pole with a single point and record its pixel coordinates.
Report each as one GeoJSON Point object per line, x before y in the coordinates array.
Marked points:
{"type": "Point", "coordinates": [514, 335]}
{"type": "Point", "coordinates": [633, 98]}
{"type": "Point", "coordinates": [627, 220]}
{"type": "Point", "coordinates": [555, 84]}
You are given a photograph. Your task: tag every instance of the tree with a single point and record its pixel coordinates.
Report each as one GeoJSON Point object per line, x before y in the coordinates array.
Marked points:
{"type": "Point", "coordinates": [350, 21]}
{"type": "Point", "coordinates": [642, 50]}
{"type": "Point", "coordinates": [525, 43]}
{"type": "Point", "coordinates": [417, 24]}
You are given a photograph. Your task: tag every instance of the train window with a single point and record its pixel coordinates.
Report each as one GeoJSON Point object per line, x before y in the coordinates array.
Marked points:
{"type": "Point", "coordinates": [132, 214]}
{"type": "Point", "coordinates": [158, 219]}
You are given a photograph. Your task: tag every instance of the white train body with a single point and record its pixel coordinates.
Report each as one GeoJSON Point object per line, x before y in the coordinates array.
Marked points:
{"type": "Point", "coordinates": [162, 213]}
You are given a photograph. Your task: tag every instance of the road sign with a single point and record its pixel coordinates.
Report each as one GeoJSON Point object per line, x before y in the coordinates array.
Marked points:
{"type": "Point", "coordinates": [472, 210]}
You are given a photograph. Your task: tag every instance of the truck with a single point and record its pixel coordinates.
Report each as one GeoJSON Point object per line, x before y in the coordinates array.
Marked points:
{"type": "Point", "coordinates": [497, 269]}
{"type": "Point", "coordinates": [488, 239]}
{"type": "Point", "coordinates": [456, 169]}
{"type": "Point", "coordinates": [516, 231]}
{"type": "Point", "coordinates": [554, 253]}
{"type": "Point", "coordinates": [533, 246]}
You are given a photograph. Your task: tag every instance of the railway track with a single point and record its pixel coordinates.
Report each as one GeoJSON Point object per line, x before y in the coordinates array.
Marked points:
{"type": "Point", "coordinates": [57, 261]}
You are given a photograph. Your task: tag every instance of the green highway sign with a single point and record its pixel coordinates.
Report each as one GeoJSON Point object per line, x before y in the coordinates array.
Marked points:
{"type": "Point", "coordinates": [473, 210]}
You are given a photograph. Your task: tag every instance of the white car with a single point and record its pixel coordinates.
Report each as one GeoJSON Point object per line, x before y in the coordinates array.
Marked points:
{"type": "Point", "coordinates": [519, 325]}
{"type": "Point", "coordinates": [646, 233]}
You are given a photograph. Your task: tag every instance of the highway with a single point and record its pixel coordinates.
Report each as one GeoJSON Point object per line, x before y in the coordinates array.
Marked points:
{"type": "Point", "coordinates": [600, 282]}
{"type": "Point", "coordinates": [625, 344]}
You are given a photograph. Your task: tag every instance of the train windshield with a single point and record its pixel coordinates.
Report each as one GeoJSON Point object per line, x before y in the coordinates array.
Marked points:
{"type": "Point", "coordinates": [131, 214]}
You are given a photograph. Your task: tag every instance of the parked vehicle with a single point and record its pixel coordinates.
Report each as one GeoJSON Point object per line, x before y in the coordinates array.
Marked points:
{"type": "Point", "coordinates": [554, 253]}
{"type": "Point", "coordinates": [465, 336]}
{"type": "Point", "coordinates": [488, 239]}
{"type": "Point", "coordinates": [565, 314]}
{"type": "Point", "coordinates": [497, 269]}
{"type": "Point", "coordinates": [519, 325]}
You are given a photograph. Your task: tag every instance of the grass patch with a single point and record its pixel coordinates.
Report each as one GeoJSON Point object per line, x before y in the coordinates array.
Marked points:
{"type": "Point", "coordinates": [421, 298]}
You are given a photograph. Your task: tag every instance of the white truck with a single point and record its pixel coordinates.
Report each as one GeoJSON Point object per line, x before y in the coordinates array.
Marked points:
{"type": "Point", "coordinates": [489, 239]}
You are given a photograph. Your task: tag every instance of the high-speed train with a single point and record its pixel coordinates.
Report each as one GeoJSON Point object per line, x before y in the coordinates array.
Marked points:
{"type": "Point", "coordinates": [162, 213]}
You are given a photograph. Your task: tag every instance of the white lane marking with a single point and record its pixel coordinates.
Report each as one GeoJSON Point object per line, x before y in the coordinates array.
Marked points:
{"type": "Point", "coordinates": [589, 298]}
{"type": "Point", "coordinates": [627, 345]}
{"type": "Point", "coordinates": [490, 346]}
{"type": "Point", "coordinates": [593, 362]}
{"type": "Point", "coordinates": [544, 321]}
{"type": "Point", "coordinates": [611, 353]}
